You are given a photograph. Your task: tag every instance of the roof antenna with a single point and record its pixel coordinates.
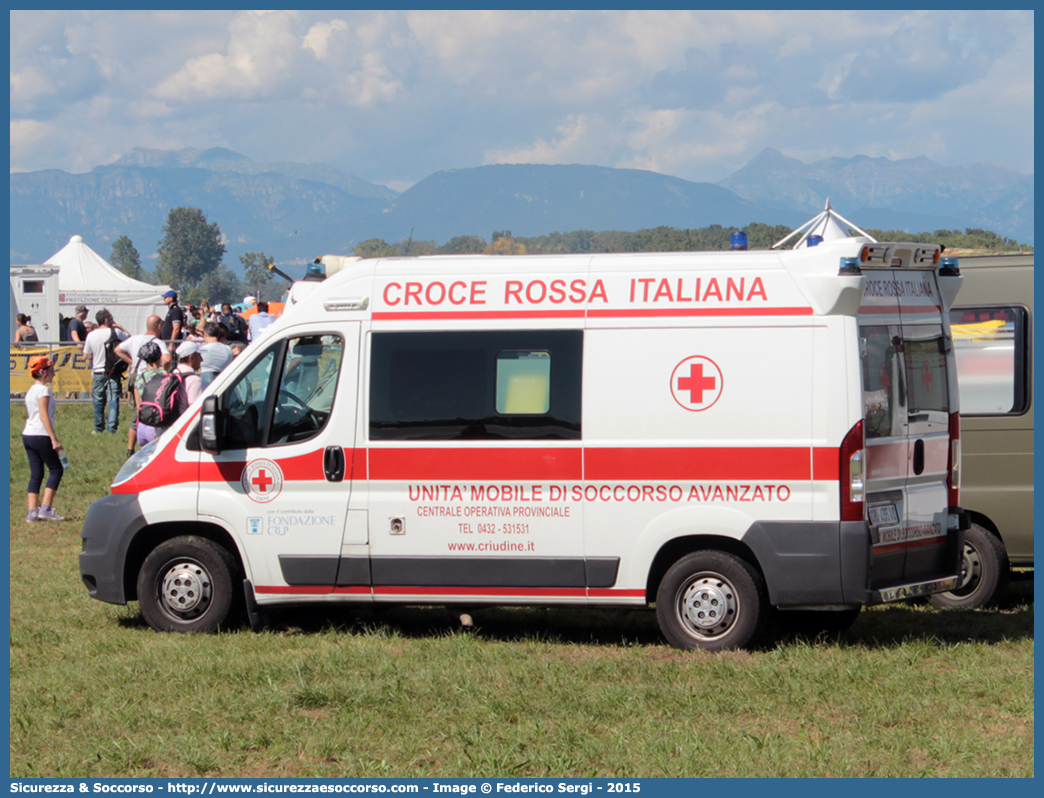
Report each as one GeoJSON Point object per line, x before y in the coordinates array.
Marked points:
{"type": "Point", "coordinates": [410, 241]}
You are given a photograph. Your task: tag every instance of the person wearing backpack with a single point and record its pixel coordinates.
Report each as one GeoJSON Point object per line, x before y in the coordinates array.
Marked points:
{"type": "Point", "coordinates": [130, 352]}
{"type": "Point", "coordinates": [163, 399]}
{"type": "Point", "coordinates": [107, 371]}
{"type": "Point", "coordinates": [147, 383]}
{"type": "Point", "coordinates": [190, 358]}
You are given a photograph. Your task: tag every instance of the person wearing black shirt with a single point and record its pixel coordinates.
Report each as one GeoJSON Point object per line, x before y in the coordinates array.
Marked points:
{"type": "Point", "coordinates": [237, 326]}
{"type": "Point", "coordinates": [77, 329]}
{"type": "Point", "coordinates": [174, 323]}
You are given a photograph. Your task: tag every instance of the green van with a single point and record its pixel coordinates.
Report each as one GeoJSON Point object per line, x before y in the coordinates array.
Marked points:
{"type": "Point", "coordinates": [992, 325]}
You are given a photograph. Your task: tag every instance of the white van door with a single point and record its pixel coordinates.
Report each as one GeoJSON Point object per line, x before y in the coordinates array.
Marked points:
{"type": "Point", "coordinates": [282, 483]}
{"type": "Point", "coordinates": [928, 360]}
{"type": "Point", "coordinates": [475, 463]}
{"type": "Point", "coordinates": [907, 396]}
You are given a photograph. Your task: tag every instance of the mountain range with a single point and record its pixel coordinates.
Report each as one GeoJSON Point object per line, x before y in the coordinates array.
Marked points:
{"type": "Point", "coordinates": [294, 212]}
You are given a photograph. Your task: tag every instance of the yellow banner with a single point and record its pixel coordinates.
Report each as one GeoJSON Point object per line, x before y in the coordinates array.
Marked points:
{"type": "Point", "coordinates": [72, 369]}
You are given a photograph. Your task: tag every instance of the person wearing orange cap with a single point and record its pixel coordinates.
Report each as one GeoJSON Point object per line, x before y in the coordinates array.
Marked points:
{"type": "Point", "coordinates": [40, 441]}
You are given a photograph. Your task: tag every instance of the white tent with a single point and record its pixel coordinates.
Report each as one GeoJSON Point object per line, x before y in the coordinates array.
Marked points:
{"type": "Point", "coordinates": [86, 278]}
{"type": "Point", "coordinates": [829, 225]}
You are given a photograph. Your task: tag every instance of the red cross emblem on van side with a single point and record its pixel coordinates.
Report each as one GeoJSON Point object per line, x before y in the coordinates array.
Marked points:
{"type": "Point", "coordinates": [696, 383]}
{"type": "Point", "coordinates": [262, 480]}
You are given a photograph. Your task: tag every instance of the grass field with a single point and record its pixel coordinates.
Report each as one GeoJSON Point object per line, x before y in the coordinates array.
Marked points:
{"type": "Point", "coordinates": [908, 691]}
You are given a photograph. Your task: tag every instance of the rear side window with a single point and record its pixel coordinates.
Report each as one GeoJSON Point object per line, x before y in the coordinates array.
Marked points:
{"type": "Point", "coordinates": [522, 384]}
{"type": "Point", "coordinates": [992, 366]}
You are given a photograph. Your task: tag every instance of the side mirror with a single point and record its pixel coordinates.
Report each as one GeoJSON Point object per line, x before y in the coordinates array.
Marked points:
{"type": "Point", "coordinates": [210, 426]}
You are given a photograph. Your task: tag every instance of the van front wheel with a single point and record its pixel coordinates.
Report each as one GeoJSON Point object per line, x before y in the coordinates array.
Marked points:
{"type": "Point", "coordinates": [186, 585]}
{"type": "Point", "coordinates": [711, 600]}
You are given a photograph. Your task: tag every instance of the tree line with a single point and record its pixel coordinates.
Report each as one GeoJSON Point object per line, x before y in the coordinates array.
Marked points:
{"type": "Point", "coordinates": [189, 259]}
{"type": "Point", "coordinates": [192, 249]}
{"type": "Point", "coordinates": [661, 239]}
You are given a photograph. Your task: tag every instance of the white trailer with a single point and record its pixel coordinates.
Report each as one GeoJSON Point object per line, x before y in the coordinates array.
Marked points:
{"type": "Point", "coordinates": [35, 293]}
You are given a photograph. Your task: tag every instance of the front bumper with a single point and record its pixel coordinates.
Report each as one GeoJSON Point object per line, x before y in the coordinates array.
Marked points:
{"type": "Point", "coordinates": [110, 526]}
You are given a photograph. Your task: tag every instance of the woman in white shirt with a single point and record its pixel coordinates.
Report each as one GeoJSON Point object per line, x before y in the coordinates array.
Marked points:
{"type": "Point", "coordinates": [40, 441]}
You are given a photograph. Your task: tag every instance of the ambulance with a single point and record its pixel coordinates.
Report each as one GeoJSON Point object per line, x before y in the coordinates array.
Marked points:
{"type": "Point", "coordinates": [734, 438]}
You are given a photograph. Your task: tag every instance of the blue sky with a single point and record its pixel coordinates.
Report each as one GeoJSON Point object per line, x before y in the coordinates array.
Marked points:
{"type": "Point", "coordinates": [394, 96]}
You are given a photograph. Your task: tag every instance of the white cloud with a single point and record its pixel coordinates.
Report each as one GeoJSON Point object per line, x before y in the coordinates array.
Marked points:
{"type": "Point", "coordinates": [28, 138]}
{"type": "Point", "coordinates": [371, 84]}
{"type": "Point", "coordinates": [318, 37]}
{"type": "Point", "coordinates": [261, 48]}
{"type": "Point", "coordinates": [696, 145]}
{"type": "Point", "coordinates": [30, 84]}
{"type": "Point", "coordinates": [399, 95]}
{"type": "Point", "coordinates": [571, 145]}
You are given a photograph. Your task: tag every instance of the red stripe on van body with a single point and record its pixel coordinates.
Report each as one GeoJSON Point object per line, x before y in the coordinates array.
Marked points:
{"type": "Point", "coordinates": [301, 590]}
{"type": "Point", "coordinates": [365, 590]}
{"type": "Point", "coordinates": [716, 463]}
{"type": "Point", "coordinates": [358, 466]}
{"type": "Point", "coordinates": [164, 469]}
{"type": "Point", "coordinates": [529, 592]}
{"type": "Point", "coordinates": [654, 312]}
{"type": "Point", "coordinates": [303, 468]}
{"type": "Point", "coordinates": [476, 464]}
{"type": "Point", "coordinates": [710, 463]}
{"type": "Point", "coordinates": [826, 463]}
{"type": "Point", "coordinates": [385, 315]}
{"type": "Point", "coordinates": [610, 592]}
{"type": "Point", "coordinates": [566, 463]}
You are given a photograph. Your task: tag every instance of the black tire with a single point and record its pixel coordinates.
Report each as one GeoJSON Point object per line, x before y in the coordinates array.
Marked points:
{"type": "Point", "coordinates": [984, 572]}
{"type": "Point", "coordinates": [188, 584]}
{"type": "Point", "coordinates": [815, 622]}
{"type": "Point", "coordinates": [711, 600]}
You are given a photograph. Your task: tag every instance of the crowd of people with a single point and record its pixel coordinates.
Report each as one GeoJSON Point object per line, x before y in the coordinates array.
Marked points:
{"type": "Point", "coordinates": [172, 361]}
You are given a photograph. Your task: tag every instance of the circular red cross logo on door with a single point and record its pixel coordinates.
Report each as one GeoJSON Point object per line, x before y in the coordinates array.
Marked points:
{"type": "Point", "coordinates": [696, 383]}
{"type": "Point", "coordinates": [262, 480]}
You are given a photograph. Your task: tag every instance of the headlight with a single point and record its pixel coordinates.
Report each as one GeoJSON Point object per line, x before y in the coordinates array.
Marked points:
{"type": "Point", "coordinates": [137, 462]}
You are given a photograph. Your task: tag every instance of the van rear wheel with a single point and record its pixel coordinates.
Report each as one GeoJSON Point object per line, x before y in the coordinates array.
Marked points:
{"type": "Point", "coordinates": [984, 572]}
{"type": "Point", "coordinates": [186, 584]}
{"type": "Point", "coordinates": [711, 600]}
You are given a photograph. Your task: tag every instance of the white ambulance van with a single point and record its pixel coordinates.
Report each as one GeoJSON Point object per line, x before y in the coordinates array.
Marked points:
{"type": "Point", "coordinates": [729, 436]}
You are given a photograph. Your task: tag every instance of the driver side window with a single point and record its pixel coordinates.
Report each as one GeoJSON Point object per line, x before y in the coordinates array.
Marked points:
{"type": "Point", "coordinates": [307, 386]}
{"type": "Point", "coordinates": [304, 372]}
{"type": "Point", "coordinates": [245, 405]}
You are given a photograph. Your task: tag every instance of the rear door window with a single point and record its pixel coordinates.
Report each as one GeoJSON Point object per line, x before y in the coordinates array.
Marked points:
{"type": "Point", "coordinates": [884, 382]}
{"type": "Point", "coordinates": [924, 349]}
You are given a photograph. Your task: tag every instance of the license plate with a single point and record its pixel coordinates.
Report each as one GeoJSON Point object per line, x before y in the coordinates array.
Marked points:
{"type": "Point", "coordinates": [883, 515]}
